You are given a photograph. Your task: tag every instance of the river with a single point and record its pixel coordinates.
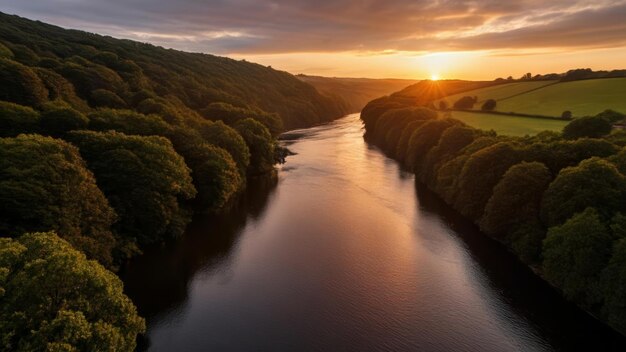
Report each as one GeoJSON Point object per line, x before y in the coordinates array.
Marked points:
{"type": "Point", "coordinates": [342, 251]}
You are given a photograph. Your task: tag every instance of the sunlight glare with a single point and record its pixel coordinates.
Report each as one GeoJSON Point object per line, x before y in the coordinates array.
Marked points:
{"type": "Point", "coordinates": [434, 77]}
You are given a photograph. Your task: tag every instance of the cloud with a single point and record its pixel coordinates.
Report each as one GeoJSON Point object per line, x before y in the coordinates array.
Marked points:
{"type": "Point", "coordinates": [370, 27]}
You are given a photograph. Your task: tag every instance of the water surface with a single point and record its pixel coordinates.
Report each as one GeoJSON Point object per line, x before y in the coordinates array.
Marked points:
{"type": "Point", "coordinates": [342, 252]}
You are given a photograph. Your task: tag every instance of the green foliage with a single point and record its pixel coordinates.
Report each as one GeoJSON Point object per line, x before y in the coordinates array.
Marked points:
{"type": "Point", "coordinates": [619, 160]}
{"type": "Point", "coordinates": [590, 127]}
{"type": "Point", "coordinates": [423, 139]}
{"type": "Point", "coordinates": [144, 179]}
{"type": "Point", "coordinates": [127, 122]}
{"type": "Point", "coordinates": [451, 142]}
{"type": "Point", "coordinates": [16, 119]}
{"type": "Point", "coordinates": [20, 84]}
{"type": "Point", "coordinates": [5, 52]}
{"type": "Point", "coordinates": [480, 174]}
{"type": "Point", "coordinates": [614, 286]}
{"type": "Point", "coordinates": [593, 183]}
{"type": "Point", "coordinates": [516, 199]}
{"type": "Point", "coordinates": [575, 254]}
{"type": "Point", "coordinates": [231, 114]}
{"type": "Point", "coordinates": [214, 172]}
{"type": "Point", "coordinates": [56, 120]}
{"type": "Point", "coordinates": [175, 79]}
{"type": "Point", "coordinates": [60, 89]}
{"type": "Point", "coordinates": [391, 124]}
{"type": "Point", "coordinates": [228, 138]}
{"type": "Point", "coordinates": [44, 185]}
{"type": "Point", "coordinates": [261, 145]}
{"type": "Point", "coordinates": [53, 298]}
{"type": "Point", "coordinates": [106, 98]}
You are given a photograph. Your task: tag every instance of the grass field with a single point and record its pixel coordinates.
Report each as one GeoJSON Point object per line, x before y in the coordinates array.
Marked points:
{"type": "Point", "coordinates": [582, 98]}
{"type": "Point", "coordinates": [509, 125]}
{"type": "Point", "coordinates": [498, 92]}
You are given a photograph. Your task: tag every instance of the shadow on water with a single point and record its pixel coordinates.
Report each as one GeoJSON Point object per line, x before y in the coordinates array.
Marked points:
{"type": "Point", "coordinates": [561, 322]}
{"type": "Point", "coordinates": [158, 280]}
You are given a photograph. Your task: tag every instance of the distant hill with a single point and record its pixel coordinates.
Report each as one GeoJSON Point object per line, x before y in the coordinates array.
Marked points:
{"type": "Point", "coordinates": [95, 70]}
{"type": "Point", "coordinates": [356, 92]}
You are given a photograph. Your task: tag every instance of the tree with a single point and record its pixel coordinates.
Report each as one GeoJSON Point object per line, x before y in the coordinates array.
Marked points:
{"type": "Point", "coordinates": [566, 115]}
{"type": "Point", "coordinates": [423, 139]}
{"type": "Point", "coordinates": [20, 84]}
{"type": "Point", "coordinates": [106, 98]}
{"type": "Point", "coordinates": [127, 122]}
{"type": "Point", "coordinates": [144, 179]}
{"type": "Point", "coordinates": [488, 105]}
{"type": "Point", "coordinates": [214, 172]}
{"type": "Point", "coordinates": [465, 103]}
{"type": "Point", "coordinates": [575, 254]}
{"type": "Point", "coordinates": [54, 299]}
{"type": "Point", "coordinates": [516, 199]}
{"type": "Point", "coordinates": [593, 183]}
{"type": "Point", "coordinates": [614, 287]}
{"type": "Point", "coordinates": [231, 114]}
{"type": "Point", "coordinates": [260, 143]}
{"type": "Point", "coordinates": [390, 125]}
{"type": "Point", "coordinates": [16, 119]}
{"type": "Point", "coordinates": [220, 135]}
{"type": "Point", "coordinates": [451, 142]}
{"type": "Point", "coordinates": [590, 127]}
{"type": "Point", "coordinates": [56, 120]}
{"type": "Point", "coordinates": [480, 174]}
{"type": "Point", "coordinates": [44, 185]}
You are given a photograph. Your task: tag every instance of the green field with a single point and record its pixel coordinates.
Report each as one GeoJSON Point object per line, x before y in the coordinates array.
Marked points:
{"type": "Point", "coordinates": [551, 98]}
{"type": "Point", "coordinates": [509, 125]}
{"type": "Point", "coordinates": [582, 98]}
{"type": "Point", "coordinates": [498, 92]}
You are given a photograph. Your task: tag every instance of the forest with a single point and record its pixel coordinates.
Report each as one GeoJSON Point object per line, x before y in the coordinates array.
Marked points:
{"type": "Point", "coordinates": [108, 146]}
{"type": "Point", "coordinates": [555, 199]}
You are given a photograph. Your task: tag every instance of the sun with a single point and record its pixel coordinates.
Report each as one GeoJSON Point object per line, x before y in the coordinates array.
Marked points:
{"type": "Point", "coordinates": [434, 77]}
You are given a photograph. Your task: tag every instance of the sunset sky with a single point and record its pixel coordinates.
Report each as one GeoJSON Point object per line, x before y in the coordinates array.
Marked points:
{"type": "Point", "coordinates": [366, 38]}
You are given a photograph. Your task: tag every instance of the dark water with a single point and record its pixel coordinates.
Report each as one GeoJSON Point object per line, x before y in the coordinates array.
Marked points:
{"type": "Point", "coordinates": [342, 252]}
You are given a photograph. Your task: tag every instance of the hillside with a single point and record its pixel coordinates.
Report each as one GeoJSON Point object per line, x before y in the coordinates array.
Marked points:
{"type": "Point", "coordinates": [355, 92]}
{"type": "Point", "coordinates": [85, 68]}
{"type": "Point", "coordinates": [551, 98]}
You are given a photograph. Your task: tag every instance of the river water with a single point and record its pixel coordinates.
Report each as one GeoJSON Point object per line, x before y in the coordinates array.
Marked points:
{"type": "Point", "coordinates": [342, 251]}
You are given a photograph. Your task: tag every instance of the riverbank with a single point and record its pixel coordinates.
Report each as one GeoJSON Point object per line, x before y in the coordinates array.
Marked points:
{"type": "Point", "coordinates": [519, 192]}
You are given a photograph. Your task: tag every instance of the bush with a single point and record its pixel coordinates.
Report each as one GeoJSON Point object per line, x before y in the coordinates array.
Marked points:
{"type": "Point", "coordinates": [44, 185]}
{"type": "Point", "coordinates": [16, 119]}
{"type": "Point", "coordinates": [54, 299]}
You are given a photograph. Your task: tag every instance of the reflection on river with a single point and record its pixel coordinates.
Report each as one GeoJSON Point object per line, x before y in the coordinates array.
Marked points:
{"type": "Point", "coordinates": [344, 253]}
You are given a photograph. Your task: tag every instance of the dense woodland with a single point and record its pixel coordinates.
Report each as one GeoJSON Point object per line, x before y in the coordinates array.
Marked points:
{"type": "Point", "coordinates": [555, 199]}
{"type": "Point", "coordinates": [108, 146]}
